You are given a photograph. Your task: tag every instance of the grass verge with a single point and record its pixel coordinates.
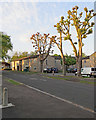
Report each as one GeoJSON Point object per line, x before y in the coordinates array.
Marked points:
{"type": "Point", "coordinates": [25, 72]}
{"type": "Point", "coordinates": [88, 82]}
{"type": "Point", "coordinates": [13, 81]}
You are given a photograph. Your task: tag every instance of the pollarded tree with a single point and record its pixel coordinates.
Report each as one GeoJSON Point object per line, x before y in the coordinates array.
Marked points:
{"type": "Point", "coordinates": [83, 28]}
{"type": "Point", "coordinates": [43, 45]}
{"type": "Point", "coordinates": [58, 42]}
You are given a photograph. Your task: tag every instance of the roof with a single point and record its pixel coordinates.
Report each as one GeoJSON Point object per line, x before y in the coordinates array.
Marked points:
{"type": "Point", "coordinates": [87, 57]}
{"type": "Point", "coordinates": [24, 58]}
{"type": "Point", "coordinates": [93, 53]}
{"type": "Point", "coordinates": [5, 63]}
{"type": "Point", "coordinates": [57, 57]}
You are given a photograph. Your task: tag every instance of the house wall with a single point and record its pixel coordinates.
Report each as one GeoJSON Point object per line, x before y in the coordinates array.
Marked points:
{"type": "Point", "coordinates": [93, 60]}
{"type": "Point", "coordinates": [25, 63]}
{"type": "Point", "coordinates": [86, 63]}
{"type": "Point", "coordinates": [49, 62]}
{"type": "Point", "coordinates": [12, 65]}
{"type": "Point", "coordinates": [58, 64]}
{"type": "Point", "coordinates": [16, 64]}
{"type": "Point", "coordinates": [34, 65]}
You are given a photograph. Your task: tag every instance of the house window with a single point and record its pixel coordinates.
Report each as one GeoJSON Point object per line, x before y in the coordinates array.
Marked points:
{"type": "Point", "coordinates": [34, 68]}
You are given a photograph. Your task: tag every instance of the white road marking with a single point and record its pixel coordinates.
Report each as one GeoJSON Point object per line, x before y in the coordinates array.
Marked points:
{"type": "Point", "coordinates": [37, 79]}
{"type": "Point", "coordinates": [33, 78]}
{"type": "Point", "coordinates": [64, 100]}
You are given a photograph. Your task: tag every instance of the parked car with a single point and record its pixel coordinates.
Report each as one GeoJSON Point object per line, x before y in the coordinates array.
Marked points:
{"type": "Point", "coordinates": [49, 70]}
{"type": "Point", "coordinates": [55, 70]}
{"type": "Point", "coordinates": [45, 70]}
{"type": "Point", "coordinates": [74, 70]}
{"type": "Point", "coordinates": [69, 70]}
{"type": "Point", "coordinates": [89, 71]}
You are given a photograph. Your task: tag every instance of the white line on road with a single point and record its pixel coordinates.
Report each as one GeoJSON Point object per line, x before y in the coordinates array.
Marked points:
{"type": "Point", "coordinates": [37, 79]}
{"type": "Point", "coordinates": [33, 78]}
{"type": "Point", "coordinates": [64, 100]}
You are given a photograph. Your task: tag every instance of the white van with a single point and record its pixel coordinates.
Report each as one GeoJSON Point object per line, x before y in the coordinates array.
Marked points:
{"type": "Point", "coordinates": [89, 71]}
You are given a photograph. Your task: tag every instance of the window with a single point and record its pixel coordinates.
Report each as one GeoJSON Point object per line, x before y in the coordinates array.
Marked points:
{"type": "Point", "coordinates": [84, 61]}
{"type": "Point", "coordinates": [34, 68]}
{"type": "Point", "coordinates": [93, 69]}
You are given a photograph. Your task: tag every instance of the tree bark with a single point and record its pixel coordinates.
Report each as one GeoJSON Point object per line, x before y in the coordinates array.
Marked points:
{"type": "Point", "coordinates": [79, 66]}
{"type": "Point", "coordinates": [80, 57]}
{"type": "Point", "coordinates": [63, 66]}
{"type": "Point", "coordinates": [41, 66]}
{"type": "Point", "coordinates": [77, 62]}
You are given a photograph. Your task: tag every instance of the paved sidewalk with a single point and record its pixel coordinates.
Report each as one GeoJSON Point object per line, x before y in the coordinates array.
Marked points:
{"type": "Point", "coordinates": [32, 104]}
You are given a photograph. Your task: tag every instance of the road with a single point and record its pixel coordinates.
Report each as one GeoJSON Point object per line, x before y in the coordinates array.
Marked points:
{"type": "Point", "coordinates": [81, 94]}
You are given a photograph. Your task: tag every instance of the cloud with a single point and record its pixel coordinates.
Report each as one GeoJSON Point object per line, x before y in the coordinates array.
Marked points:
{"type": "Point", "coordinates": [17, 15]}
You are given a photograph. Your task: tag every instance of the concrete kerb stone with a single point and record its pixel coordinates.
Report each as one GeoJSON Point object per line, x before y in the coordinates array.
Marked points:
{"type": "Point", "coordinates": [9, 105]}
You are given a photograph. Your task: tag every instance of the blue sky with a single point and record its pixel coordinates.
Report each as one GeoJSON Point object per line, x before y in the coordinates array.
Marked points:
{"type": "Point", "coordinates": [22, 19]}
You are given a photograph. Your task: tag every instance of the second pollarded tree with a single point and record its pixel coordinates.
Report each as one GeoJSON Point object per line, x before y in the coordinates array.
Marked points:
{"type": "Point", "coordinates": [83, 27]}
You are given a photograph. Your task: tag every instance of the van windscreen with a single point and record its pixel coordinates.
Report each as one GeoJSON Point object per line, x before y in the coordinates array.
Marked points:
{"type": "Point", "coordinates": [93, 69]}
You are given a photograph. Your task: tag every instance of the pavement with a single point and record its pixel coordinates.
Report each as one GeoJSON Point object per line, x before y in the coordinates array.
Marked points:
{"type": "Point", "coordinates": [30, 103]}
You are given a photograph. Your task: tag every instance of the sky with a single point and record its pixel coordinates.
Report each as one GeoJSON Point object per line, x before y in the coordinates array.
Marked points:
{"type": "Point", "coordinates": [20, 19]}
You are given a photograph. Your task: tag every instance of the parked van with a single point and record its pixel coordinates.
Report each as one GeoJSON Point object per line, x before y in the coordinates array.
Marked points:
{"type": "Point", "coordinates": [89, 71]}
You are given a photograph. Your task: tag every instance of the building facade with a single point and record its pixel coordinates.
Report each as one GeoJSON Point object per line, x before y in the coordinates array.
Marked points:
{"type": "Point", "coordinates": [89, 61]}
{"type": "Point", "coordinates": [32, 63]}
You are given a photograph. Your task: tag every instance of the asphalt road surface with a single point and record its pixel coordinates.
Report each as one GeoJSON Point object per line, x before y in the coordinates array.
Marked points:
{"type": "Point", "coordinates": [81, 94]}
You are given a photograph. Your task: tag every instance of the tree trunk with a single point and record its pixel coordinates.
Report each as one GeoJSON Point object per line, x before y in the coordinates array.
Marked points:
{"type": "Point", "coordinates": [41, 66]}
{"type": "Point", "coordinates": [79, 66]}
{"type": "Point", "coordinates": [77, 62]}
{"type": "Point", "coordinates": [80, 57]}
{"type": "Point", "coordinates": [63, 66]}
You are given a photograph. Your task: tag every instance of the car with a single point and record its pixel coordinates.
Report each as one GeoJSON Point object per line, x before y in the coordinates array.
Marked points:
{"type": "Point", "coordinates": [55, 70]}
{"type": "Point", "coordinates": [74, 70]}
{"type": "Point", "coordinates": [47, 70]}
{"type": "Point", "coordinates": [69, 70]}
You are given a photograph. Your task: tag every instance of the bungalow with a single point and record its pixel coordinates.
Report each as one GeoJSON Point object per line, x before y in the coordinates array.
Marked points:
{"type": "Point", "coordinates": [5, 65]}
{"type": "Point", "coordinates": [32, 63]}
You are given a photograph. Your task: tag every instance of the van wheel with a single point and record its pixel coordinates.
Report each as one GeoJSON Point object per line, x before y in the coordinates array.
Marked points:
{"type": "Point", "coordinates": [88, 75]}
